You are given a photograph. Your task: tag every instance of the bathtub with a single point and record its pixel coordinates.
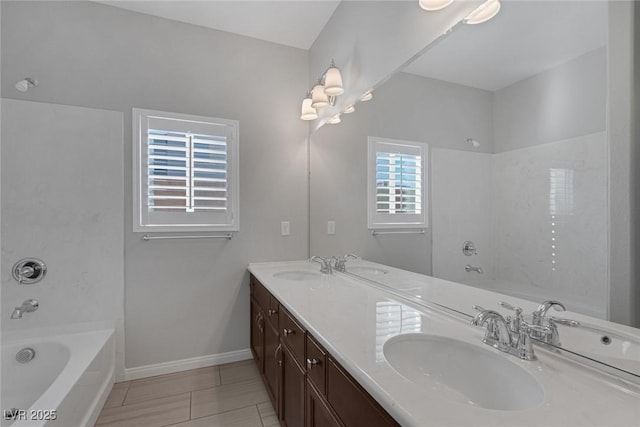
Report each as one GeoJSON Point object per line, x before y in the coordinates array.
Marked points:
{"type": "Point", "coordinates": [65, 384]}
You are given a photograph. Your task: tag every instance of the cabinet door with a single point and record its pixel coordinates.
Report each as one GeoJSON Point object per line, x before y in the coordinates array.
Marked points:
{"type": "Point", "coordinates": [272, 348]}
{"type": "Point", "coordinates": [352, 403]}
{"type": "Point", "coordinates": [292, 394]}
{"type": "Point", "coordinates": [318, 413]}
{"type": "Point", "coordinates": [257, 335]}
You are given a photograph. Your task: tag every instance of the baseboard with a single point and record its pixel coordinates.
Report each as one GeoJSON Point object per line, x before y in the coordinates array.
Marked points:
{"type": "Point", "coordinates": [186, 364]}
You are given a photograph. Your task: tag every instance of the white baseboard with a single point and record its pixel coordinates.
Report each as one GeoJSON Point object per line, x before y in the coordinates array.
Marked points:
{"type": "Point", "coordinates": [186, 364]}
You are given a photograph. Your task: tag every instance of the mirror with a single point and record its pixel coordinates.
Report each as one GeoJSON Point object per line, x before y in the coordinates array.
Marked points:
{"type": "Point", "coordinates": [514, 115]}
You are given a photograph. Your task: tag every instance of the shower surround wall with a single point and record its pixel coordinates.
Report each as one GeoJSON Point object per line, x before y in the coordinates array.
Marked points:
{"type": "Point", "coordinates": [549, 210]}
{"type": "Point", "coordinates": [62, 202]}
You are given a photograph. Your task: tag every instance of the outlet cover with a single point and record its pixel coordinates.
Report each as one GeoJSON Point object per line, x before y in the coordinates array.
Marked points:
{"type": "Point", "coordinates": [285, 229]}
{"type": "Point", "coordinates": [331, 227]}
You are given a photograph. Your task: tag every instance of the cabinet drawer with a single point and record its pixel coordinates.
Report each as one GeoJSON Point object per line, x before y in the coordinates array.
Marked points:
{"type": "Point", "coordinates": [292, 335]}
{"type": "Point", "coordinates": [316, 364]}
{"type": "Point", "coordinates": [353, 405]}
{"type": "Point", "coordinates": [260, 293]}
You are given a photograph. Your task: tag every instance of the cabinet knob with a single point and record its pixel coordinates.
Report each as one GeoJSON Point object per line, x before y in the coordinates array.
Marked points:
{"type": "Point", "coordinates": [272, 312]}
{"type": "Point", "coordinates": [312, 362]}
{"type": "Point", "coordinates": [288, 332]}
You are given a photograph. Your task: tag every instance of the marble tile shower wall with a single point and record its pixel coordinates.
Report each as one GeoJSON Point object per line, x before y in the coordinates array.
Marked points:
{"type": "Point", "coordinates": [538, 216]}
{"type": "Point", "coordinates": [550, 219]}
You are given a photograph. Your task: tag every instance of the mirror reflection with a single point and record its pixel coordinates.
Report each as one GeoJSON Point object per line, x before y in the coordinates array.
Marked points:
{"type": "Point", "coordinates": [512, 113]}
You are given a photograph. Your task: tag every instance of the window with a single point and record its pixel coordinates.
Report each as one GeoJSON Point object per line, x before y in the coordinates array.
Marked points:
{"type": "Point", "coordinates": [397, 184]}
{"type": "Point", "coordinates": [185, 172]}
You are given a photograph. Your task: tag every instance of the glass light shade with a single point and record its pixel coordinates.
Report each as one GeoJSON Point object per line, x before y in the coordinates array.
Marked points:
{"type": "Point", "coordinates": [484, 12]}
{"type": "Point", "coordinates": [432, 5]}
{"type": "Point", "coordinates": [319, 99]}
{"type": "Point", "coordinates": [333, 82]}
{"type": "Point", "coordinates": [350, 109]}
{"type": "Point", "coordinates": [308, 112]}
{"type": "Point", "coordinates": [367, 96]}
{"type": "Point", "coordinates": [334, 120]}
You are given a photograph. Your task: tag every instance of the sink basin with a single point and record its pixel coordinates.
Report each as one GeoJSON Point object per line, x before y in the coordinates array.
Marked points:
{"type": "Point", "coordinates": [366, 270]}
{"type": "Point", "coordinates": [463, 372]}
{"type": "Point", "coordinates": [296, 275]}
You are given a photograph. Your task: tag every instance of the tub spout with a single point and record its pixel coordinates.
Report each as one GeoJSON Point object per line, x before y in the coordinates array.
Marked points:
{"type": "Point", "coordinates": [28, 306]}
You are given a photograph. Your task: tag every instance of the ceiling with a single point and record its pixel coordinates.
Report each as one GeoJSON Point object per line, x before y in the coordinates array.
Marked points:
{"type": "Point", "coordinates": [295, 23]}
{"type": "Point", "coordinates": [524, 39]}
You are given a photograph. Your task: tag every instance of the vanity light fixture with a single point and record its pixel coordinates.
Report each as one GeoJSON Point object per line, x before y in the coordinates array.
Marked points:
{"type": "Point", "coordinates": [367, 96]}
{"type": "Point", "coordinates": [333, 81]}
{"type": "Point", "coordinates": [308, 112]}
{"type": "Point", "coordinates": [334, 120]}
{"type": "Point", "coordinates": [350, 109]}
{"type": "Point", "coordinates": [433, 5]}
{"type": "Point", "coordinates": [26, 83]}
{"type": "Point", "coordinates": [323, 94]}
{"type": "Point", "coordinates": [484, 12]}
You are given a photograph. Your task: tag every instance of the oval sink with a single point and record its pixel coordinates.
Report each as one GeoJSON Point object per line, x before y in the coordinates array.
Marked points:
{"type": "Point", "coordinates": [366, 270]}
{"type": "Point", "coordinates": [467, 372]}
{"type": "Point", "coordinates": [296, 275]}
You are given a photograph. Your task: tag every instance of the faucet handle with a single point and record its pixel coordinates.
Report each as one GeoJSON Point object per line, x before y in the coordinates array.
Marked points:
{"type": "Point", "coordinates": [510, 307]}
{"type": "Point", "coordinates": [516, 321]}
{"type": "Point", "coordinates": [564, 322]}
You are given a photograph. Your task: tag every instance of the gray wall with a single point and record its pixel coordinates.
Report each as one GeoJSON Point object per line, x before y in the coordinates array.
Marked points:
{"type": "Point", "coordinates": [562, 103]}
{"type": "Point", "coordinates": [184, 299]}
{"type": "Point", "coordinates": [406, 107]}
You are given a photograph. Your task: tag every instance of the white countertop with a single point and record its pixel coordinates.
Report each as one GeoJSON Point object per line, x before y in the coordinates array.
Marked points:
{"type": "Point", "coordinates": [351, 320]}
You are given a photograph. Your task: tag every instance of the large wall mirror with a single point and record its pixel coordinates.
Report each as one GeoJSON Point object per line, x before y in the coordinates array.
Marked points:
{"type": "Point", "coordinates": [514, 115]}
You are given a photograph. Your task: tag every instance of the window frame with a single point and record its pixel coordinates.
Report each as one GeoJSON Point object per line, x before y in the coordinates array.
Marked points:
{"type": "Point", "coordinates": [139, 143]}
{"type": "Point", "coordinates": [376, 221]}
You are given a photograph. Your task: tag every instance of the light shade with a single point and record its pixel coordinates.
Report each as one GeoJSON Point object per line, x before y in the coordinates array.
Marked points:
{"type": "Point", "coordinates": [334, 120]}
{"type": "Point", "coordinates": [484, 12]}
{"type": "Point", "coordinates": [308, 112]}
{"type": "Point", "coordinates": [367, 96]}
{"type": "Point", "coordinates": [319, 99]}
{"type": "Point", "coordinates": [432, 5]}
{"type": "Point", "coordinates": [333, 82]}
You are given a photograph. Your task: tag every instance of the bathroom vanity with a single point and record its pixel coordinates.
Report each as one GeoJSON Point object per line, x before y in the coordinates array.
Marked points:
{"type": "Point", "coordinates": [336, 350]}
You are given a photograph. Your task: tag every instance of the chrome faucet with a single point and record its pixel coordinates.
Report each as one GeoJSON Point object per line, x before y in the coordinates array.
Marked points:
{"type": "Point", "coordinates": [469, 268]}
{"type": "Point", "coordinates": [325, 264]}
{"type": "Point", "coordinates": [339, 263]}
{"type": "Point", "coordinates": [497, 334]}
{"type": "Point", "coordinates": [538, 318]}
{"type": "Point", "coordinates": [506, 338]}
{"type": "Point", "coordinates": [27, 306]}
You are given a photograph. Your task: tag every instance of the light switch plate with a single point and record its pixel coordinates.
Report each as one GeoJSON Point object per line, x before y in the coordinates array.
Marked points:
{"type": "Point", "coordinates": [285, 228]}
{"type": "Point", "coordinates": [331, 227]}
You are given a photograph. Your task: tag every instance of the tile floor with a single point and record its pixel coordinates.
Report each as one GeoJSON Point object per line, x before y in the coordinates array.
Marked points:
{"type": "Point", "coordinates": [229, 395]}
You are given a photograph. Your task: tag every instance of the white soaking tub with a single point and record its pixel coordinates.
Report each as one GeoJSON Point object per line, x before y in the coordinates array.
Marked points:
{"type": "Point", "coordinates": [65, 384]}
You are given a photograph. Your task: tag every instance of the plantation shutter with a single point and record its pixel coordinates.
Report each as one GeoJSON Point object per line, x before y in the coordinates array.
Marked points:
{"type": "Point", "coordinates": [186, 173]}
{"type": "Point", "coordinates": [396, 184]}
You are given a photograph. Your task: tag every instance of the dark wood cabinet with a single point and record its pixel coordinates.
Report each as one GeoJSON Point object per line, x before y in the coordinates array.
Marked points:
{"type": "Point", "coordinates": [272, 350]}
{"type": "Point", "coordinates": [257, 334]}
{"type": "Point", "coordinates": [307, 387]}
{"type": "Point", "coordinates": [319, 414]}
{"type": "Point", "coordinates": [293, 389]}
